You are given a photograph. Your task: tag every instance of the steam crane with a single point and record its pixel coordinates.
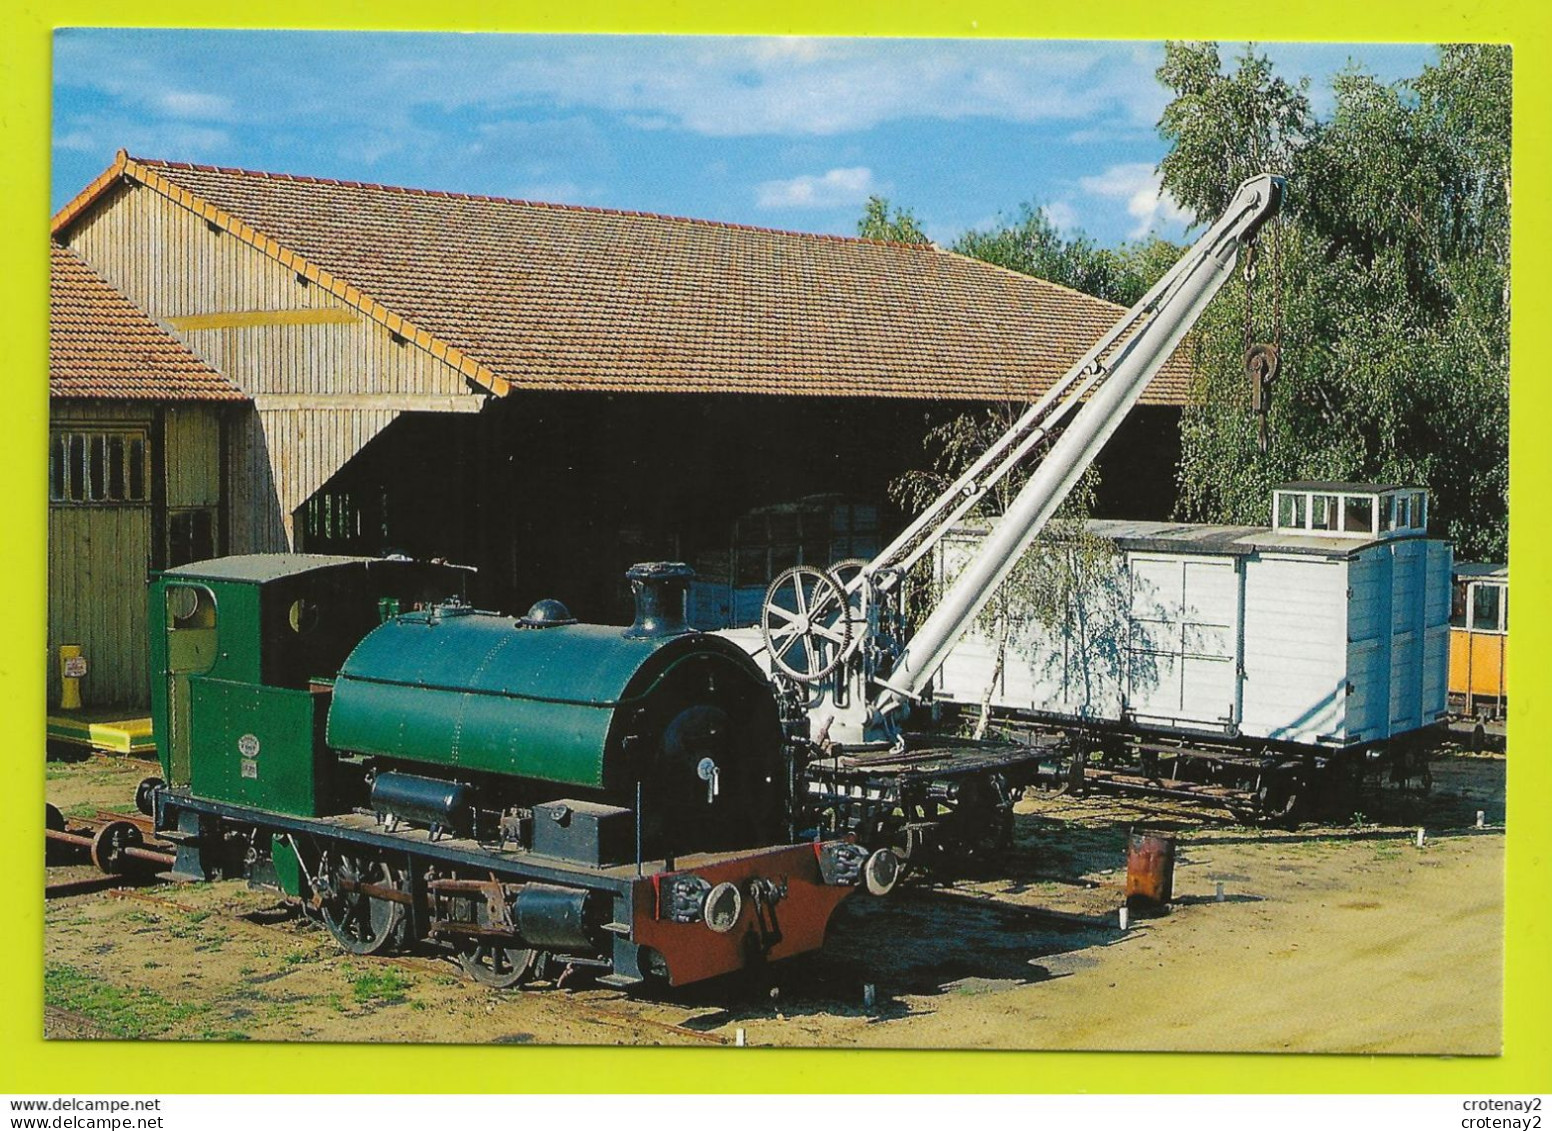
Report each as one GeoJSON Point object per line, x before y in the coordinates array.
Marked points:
{"type": "Point", "coordinates": [833, 640]}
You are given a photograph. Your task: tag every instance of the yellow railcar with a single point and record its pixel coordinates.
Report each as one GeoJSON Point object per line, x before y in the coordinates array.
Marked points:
{"type": "Point", "coordinates": [1479, 639]}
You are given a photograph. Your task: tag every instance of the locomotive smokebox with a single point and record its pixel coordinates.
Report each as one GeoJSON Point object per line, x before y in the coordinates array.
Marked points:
{"type": "Point", "coordinates": [659, 588]}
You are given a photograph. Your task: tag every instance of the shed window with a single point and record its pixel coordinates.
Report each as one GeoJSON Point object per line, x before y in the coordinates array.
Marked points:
{"type": "Point", "coordinates": [1419, 511]}
{"type": "Point", "coordinates": [1487, 608]}
{"type": "Point", "coordinates": [92, 466]}
{"type": "Point", "coordinates": [1388, 514]}
{"type": "Point", "coordinates": [191, 535]}
{"type": "Point", "coordinates": [1358, 514]}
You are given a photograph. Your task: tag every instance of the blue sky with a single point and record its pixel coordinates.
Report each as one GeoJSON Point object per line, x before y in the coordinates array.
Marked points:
{"type": "Point", "coordinates": [784, 133]}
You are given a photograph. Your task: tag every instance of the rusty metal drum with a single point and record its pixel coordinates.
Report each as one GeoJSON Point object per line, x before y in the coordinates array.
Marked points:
{"type": "Point", "coordinates": [1150, 871]}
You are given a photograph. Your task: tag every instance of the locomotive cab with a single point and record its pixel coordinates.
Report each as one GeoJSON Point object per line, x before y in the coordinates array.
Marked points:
{"type": "Point", "coordinates": [250, 644]}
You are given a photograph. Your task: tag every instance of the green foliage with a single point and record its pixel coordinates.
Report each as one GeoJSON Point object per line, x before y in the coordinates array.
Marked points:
{"type": "Point", "coordinates": [118, 1011]}
{"type": "Point", "coordinates": [879, 222]}
{"type": "Point", "coordinates": [1387, 283]}
{"type": "Point", "coordinates": [1045, 587]}
{"type": "Point", "coordinates": [1225, 128]}
{"type": "Point", "coordinates": [378, 985]}
{"type": "Point", "coordinates": [1031, 245]}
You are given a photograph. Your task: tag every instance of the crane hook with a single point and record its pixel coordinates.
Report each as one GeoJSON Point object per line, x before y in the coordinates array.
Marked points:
{"type": "Point", "coordinates": [1261, 365]}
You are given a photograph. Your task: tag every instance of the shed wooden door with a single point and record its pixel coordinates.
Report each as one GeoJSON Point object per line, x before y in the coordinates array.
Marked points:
{"type": "Point", "coordinates": [1183, 663]}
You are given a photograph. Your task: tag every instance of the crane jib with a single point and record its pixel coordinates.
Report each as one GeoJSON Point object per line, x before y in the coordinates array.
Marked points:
{"type": "Point", "coordinates": [1112, 376]}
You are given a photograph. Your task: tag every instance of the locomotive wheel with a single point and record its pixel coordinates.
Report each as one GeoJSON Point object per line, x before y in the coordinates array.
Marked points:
{"type": "Point", "coordinates": [499, 967]}
{"type": "Point", "coordinates": [358, 922]}
{"type": "Point", "coordinates": [806, 606]}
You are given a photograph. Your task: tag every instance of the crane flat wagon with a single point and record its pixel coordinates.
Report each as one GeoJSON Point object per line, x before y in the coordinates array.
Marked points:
{"type": "Point", "coordinates": [1327, 631]}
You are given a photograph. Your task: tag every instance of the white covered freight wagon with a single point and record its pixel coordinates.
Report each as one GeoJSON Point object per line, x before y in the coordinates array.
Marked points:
{"type": "Point", "coordinates": [1328, 629]}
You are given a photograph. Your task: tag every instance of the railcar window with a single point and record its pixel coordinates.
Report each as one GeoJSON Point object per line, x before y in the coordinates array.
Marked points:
{"type": "Point", "coordinates": [1358, 514]}
{"type": "Point", "coordinates": [1458, 604]}
{"type": "Point", "coordinates": [1323, 512]}
{"type": "Point", "coordinates": [97, 467]}
{"type": "Point", "coordinates": [1290, 511]}
{"type": "Point", "coordinates": [1486, 608]}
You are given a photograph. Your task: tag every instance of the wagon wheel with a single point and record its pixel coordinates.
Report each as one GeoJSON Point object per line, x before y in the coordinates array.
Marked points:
{"type": "Point", "coordinates": [806, 623]}
{"type": "Point", "coordinates": [889, 829]}
{"type": "Point", "coordinates": [499, 967]}
{"type": "Point", "coordinates": [360, 923]}
{"type": "Point", "coordinates": [1074, 777]}
{"type": "Point", "coordinates": [110, 844]}
{"type": "Point", "coordinates": [1277, 800]}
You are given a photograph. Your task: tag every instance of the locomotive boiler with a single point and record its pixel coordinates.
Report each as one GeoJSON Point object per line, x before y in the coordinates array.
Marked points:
{"type": "Point", "coordinates": [528, 793]}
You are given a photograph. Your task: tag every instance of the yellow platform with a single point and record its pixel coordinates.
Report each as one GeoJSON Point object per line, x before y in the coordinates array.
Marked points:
{"type": "Point", "coordinates": [108, 731]}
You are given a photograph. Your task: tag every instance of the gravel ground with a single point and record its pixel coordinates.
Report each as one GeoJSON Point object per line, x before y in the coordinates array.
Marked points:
{"type": "Point", "coordinates": [1330, 938]}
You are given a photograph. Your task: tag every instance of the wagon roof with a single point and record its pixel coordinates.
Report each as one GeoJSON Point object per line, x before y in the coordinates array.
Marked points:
{"type": "Point", "coordinates": [530, 295]}
{"type": "Point", "coordinates": [1337, 487]}
{"type": "Point", "coordinates": [104, 347]}
{"type": "Point", "coordinates": [1206, 538]}
{"type": "Point", "coordinates": [1174, 537]}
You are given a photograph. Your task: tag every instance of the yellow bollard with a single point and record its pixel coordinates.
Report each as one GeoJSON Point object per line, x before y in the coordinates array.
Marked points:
{"type": "Point", "coordinates": [72, 667]}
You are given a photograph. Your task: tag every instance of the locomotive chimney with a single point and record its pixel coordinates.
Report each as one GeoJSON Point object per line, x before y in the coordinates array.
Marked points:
{"type": "Point", "coordinates": [659, 588]}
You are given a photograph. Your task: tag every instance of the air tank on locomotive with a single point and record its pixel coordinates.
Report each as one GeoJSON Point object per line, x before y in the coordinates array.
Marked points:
{"type": "Point", "coordinates": [470, 717]}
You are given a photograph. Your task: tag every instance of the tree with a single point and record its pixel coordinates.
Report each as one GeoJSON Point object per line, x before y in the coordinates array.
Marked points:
{"type": "Point", "coordinates": [1031, 245]}
{"type": "Point", "coordinates": [899, 225]}
{"type": "Point", "coordinates": [1045, 588]}
{"type": "Point", "coordinates": [1225, 128]}
{"type": "Point", "coordinates": [1386, 282]}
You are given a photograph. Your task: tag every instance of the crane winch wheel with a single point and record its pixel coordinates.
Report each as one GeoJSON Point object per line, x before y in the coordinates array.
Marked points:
{"type": "Point", "coordinates": [806, 622]}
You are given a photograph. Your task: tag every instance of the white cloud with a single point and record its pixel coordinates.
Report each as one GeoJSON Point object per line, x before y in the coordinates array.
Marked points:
{"type": "Point", "coordinates": [720, 87]}
{"type": "Point", "coordinates": [1137, 185]}
{"type": "Point", "coordinates": [103, 135]}
{"type": "Point", "coordinates": [192, 104]}
{"type": "Point", "coordinates": [1064, 216]}
{"type": "Point", "coordinates": [837, 188]}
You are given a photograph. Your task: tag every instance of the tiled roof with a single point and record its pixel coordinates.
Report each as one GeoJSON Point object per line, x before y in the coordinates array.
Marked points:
{"type": "Point", "coordinates": [556, 297]}
{"type": "Point", "coordinates": [102, 346]}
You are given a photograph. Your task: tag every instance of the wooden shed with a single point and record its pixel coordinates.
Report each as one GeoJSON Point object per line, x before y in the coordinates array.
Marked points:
{"type": "Point", "coordinates": [545, 391]}
{"type": "Point", "coordinates": [136, 473]}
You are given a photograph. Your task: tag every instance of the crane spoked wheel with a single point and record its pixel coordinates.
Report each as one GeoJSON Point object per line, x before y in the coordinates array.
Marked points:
{"type": "Point", "coordinates": [806, 623]}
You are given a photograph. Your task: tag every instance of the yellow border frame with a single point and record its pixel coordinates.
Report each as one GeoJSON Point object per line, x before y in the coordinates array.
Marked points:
{"type": "Point", "coordinates": [32, 1065]}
